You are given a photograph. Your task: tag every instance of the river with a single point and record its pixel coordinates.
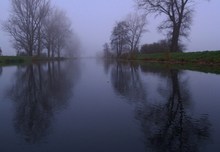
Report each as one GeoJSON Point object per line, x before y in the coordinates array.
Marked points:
{"type": "Point", "coordinates": [94, 105]}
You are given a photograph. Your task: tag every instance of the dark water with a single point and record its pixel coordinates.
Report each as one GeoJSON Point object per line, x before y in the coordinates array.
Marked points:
{"type": "Point", "coordinates": [104, 106]}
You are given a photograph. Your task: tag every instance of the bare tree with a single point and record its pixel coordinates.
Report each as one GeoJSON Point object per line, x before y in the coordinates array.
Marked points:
{"type": "Point", "coordinates": [120, 38]}
{"type": "Point", "coordinates": [0, 51]}
{"type": "Point", "coordinates": [106, 50]}
{"type": "Point", "coordinates": [64, 31]}
{"type": "Point", "coordinates": [126, 34]}
{"type": "Point", "coordinates": [57, 30]}
{"type": "Point", "coordinates": [49, 32]}
{"type": "Point", "coordinates": [178, 15]}
{"type": "Point", "coordinates": [136, 24]}
{"type": "Point", "coordinates": [72, 46]}
{"type": "Point", "coordinates": [24, 23]}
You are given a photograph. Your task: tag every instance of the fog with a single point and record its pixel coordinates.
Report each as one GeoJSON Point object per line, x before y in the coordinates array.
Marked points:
{"type": "Point", "coordinates": [93, 21]}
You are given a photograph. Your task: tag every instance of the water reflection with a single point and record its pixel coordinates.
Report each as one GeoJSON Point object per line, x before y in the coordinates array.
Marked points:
{"type": "Point", "coordinates": [1, 70]}
{"type": "Point", "coordinates": [39, 90]}
{"type": "Point", "coordinates": [126, 81]}
{"type": "Point", "coordinates": [168, 125]}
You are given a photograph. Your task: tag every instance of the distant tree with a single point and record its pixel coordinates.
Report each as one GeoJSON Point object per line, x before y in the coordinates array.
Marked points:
{"type": "Point", "coordinates": [127, 33]}
{"type": "Point", "coordinates": [136, 24]}
{"type": "Point", "coordinates": [0, 51]}
{"type": "Point", "coordinates": [24, 24]}
{"type": "Point", "coordinates": [120, 38]}
{"type": "Point", "coordinates": [72, 46]}
{"type": "Point", "coordinates": [106, 50]}
{"type": "Point", "coordinates": [49, 32]}
{"type": "Point", "coordinates": [178, 19]}
{"type": "Point", "coordinates": [63, 31]}
{"type": "Point", "coordinates": [57, 30]}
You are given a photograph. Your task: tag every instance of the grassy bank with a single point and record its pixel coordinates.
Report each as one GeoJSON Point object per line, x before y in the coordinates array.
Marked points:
{"type": "Point", "coordinates": [206, 57]}
{"type": "Point", "coordinates": [193, 67]}
{"type": "Point", "coordinates": [10, 60]}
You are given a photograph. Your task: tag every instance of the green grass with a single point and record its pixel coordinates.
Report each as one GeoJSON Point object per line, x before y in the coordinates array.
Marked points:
{"type": "Point", "coordinates": [189, 66]}
{"type": "Point", "coordinates": [206, 57]}
{"type": "Point", "coordinates": [8, 60]}
{"type": "Point", "coordinates": [12, 60]}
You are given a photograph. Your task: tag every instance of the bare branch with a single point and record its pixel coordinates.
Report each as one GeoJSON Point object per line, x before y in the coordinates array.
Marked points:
{"type": "Point", "coordinates": [178, 17]}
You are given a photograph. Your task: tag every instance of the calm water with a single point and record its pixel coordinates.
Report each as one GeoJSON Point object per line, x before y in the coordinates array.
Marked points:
{"type": "Point", "coordinates": [103, 106]}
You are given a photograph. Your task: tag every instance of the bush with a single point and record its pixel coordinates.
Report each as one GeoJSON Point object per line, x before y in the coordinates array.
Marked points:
{"type": "Point", "coordinates": [157, 47]}
{"type": "Point", "coordinates": [160, 47]}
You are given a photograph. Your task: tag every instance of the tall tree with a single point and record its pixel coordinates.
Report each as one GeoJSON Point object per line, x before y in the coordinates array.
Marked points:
{"type": "Point", "coordinates": [136, 24]}
{"type": "Point", "coordinates": [24, 23]}
{"type": "Point", "coordinates": [120, 38]}
{"type": "Point", "coordinates": [57, 30]}
{"type": "Point", "coordinates": [127, 33]}
{"type": "Point", "coordinates": [63, 31]}
{"type": "Point", "coordinates": [178, 17]}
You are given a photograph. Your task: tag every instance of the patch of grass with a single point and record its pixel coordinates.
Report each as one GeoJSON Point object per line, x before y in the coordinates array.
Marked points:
{"type": "Point", "coordinates": [206, 57]}
{"type": "Point", "coordinates": [8, 60]}
{"type": "Point", "coordinates": [194, 67]}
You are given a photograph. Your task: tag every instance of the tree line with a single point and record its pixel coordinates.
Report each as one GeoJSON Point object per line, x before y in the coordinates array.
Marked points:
{"type": "Point", "coordinates": [126, 34]}
{"type": "Point", "coordinates": [39, 29]}
{"type": "Point", "coordinates": [176, 24]}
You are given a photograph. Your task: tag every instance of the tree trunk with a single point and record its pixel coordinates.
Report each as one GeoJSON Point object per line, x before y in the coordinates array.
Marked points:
{"type": "Point", "coordinates": [48, 51]}
{"type": "Point", "coordinates": [175, 39]}
{"type": "Point", "coordinates": [39, 43]}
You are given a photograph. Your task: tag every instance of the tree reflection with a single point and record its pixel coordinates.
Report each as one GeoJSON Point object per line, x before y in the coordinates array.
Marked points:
{"type": "Point", "coordinates": [126, 80]}
{"type": "Point", "coordinates": [40, 90]}
{"type": "Point", "coordinates": [1, 70]}
{"type": "Point", "coordinates": [107, 64]}
{"type": "Point", "coordinates": [170, 127]}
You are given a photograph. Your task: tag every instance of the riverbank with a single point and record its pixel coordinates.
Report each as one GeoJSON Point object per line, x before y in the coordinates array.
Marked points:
{"type": "Point", "coordinates": [201, 58]}
{"type": "Point", "coordinates": [215, 69]}
{"type": "Point", "coordinates": [9, 60]}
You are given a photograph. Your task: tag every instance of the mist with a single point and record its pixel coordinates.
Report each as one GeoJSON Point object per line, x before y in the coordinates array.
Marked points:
{"type": "Point", "coordinates": [93, 21]}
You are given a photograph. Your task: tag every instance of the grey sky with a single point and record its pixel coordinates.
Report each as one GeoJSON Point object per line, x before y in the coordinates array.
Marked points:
{"type": "Point", "coordinates": [93, 21]}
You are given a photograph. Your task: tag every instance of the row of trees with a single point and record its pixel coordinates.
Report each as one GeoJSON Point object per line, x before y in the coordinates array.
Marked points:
{"type": "Point", "coordinates": [126, 35]}
{"type": "Point", "coordinates": [38, 28]}
{"type": "Point", "coordinates": [177, 21]}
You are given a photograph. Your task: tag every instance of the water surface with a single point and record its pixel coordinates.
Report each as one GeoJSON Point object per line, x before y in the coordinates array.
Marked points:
{"type": "Point", "coordinates": [107, 106]}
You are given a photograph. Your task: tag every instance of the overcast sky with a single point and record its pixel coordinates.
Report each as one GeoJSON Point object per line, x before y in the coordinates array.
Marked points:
{"type": "Point", "coordinates": [93, 21]}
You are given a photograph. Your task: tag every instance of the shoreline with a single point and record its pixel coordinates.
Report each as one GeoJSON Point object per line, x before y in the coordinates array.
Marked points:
{"type": "Point", "coordinates": [211, 58]}
{"type": "Point", "coordinates": [13, 60]}
{"type": "Point", "coordinates": [199, 63]}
